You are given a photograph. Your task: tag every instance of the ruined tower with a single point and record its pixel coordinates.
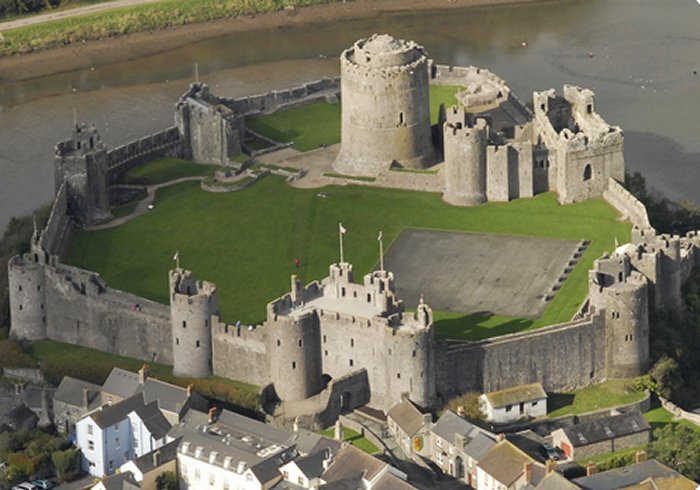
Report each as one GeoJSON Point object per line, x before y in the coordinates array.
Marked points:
{"type": "Point", "coordinates": [385, 106]}
{"type": "Point", "coordinates": [465, 159]}
{"type": "Point", "coordinates": [192, 304]}
{"type": "Point", "coordinates": [82, 163]}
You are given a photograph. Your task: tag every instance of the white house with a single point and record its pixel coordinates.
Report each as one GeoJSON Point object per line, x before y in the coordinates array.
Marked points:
{"type": "Point", "coordinates": [146, 469]}
{"type": "Point", "coordinates": [525, 401]}
{"type": "Point", "coordinates": [149, 429]}
{"type": "Point", "coordinates": [306, 471]}
{"type": "Point", "coordinates": [104, 437]}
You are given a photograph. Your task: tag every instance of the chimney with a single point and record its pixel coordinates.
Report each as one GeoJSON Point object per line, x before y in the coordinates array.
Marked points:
{"type": "Point", "coordinates": [591, 469]}
{"type": "Point", "coordinates": [156, 458]}
{"type": "Point", "coordinates": [527, 469]}
{"type": "Point", "coordinates": [190, 389]}
{"type": "Point", "coordinates": [86, 396]}
{"type": "Point", "coordinates": [295, 426]}
{"type": "Point", "coordinates": [143, 373]}
{"type": "Point", "coordinates": [460, 410]}
{"type": "Point", "coordinates": [500, 437]}
{"type": "Point", "coordinates": [212, 415]}
{"type": "Point", "coordinates": [640, 457]}
{"type": "Point", "coordinates": [550, 465]}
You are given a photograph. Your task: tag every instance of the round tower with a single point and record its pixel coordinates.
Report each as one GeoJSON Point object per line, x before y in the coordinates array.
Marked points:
{"type": "Point", "coordinates": [465, 163]}
{"type": "Point", "coordinates": [627, 328]}
{"type": "Point", "coordinates": [294, 353]}
{"type": "Point", "coordinates": [26, 283]}
{"type": "Point", "coordinates": [192, 304]}
{"type": "Point", "coordinates": [385, 106]}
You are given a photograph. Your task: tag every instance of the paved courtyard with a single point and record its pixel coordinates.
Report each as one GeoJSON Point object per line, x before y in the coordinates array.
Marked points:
{"type": "Point", "coordinates": [477, 273]}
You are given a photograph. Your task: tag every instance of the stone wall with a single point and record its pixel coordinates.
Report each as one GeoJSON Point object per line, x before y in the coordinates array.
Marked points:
{"type": "Point", "coordinates": [561, 356]}
{"type": "Point", "coordinates": [240, 353]}
{"type": "Point", "coordinates": [82, 310]}
{"type": "Point", "coordinates": [626, 204]}
{"type": "Point", "coordinates": [55, 239]}
{"type": "Point", "coordinates": [123, 158]}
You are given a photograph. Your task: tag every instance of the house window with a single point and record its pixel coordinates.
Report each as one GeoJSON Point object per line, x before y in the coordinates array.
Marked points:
{"type": "Point", "coordinates": [197, 474]}
{"type": "Point", "coordinates": [111, 464]}
{"type": "Point", "coordinates": [136, 443]}
{"type": "Point", "coordinates": [212, 480]}
{"type": "Point", "coordinates": [438, 442]}
{"type": "Point", "coordinates": [509, 408]}
{"type": "Point", "coordinates": [116, 426]}
{"type": "Point", "coordinates": [534, 404]}
{"type": "Point", "coordinates": [302, 481]}
{"type": "Point", "coordinates": [91, 445]}
{"type": "Point", "coordinates": [89, 429]}
{"type": "Point", "coordinates": [116, 442]}
{"type": "Point", "coordinates": [285, 475]}
{"type": "Point", "coordinates": [352, 363]}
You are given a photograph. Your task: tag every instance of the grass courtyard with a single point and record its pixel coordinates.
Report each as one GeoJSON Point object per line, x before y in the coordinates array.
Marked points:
{"type": "Point", "coordinates": [353, 438]}
{"type": "Point", "coordinates": [610, 393]}
{"type": "Point", "coordinates": [318, 124]}
{"type": "Point", "coordinates": [246, 242]}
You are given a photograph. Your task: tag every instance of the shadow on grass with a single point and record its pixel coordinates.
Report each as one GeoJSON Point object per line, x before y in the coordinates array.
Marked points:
{"type": "Point", "coordinates": [556, 401]}
{"type": "Point", "coordinates": [282, 136]}
{"type": "Point", "coordinates": [478, 326]}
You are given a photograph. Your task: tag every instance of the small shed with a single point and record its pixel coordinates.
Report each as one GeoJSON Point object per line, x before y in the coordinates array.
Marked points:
{"type": "Point", "coordinates": [510, 404]}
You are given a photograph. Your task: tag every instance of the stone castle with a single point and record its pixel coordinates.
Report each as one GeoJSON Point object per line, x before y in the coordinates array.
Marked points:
{"type": "Point", "coordinates": [334, 345]}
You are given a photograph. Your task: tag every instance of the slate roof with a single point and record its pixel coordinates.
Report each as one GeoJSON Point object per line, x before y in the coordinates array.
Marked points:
{"type": "Point", "coordinates": [606, 428]}
{"type": "Point", "coordinates": [392, 482]}
{"type": "Point", "coordinates": [407, 416]}
{"type": "Point", "coordinates": [267, 471]}
{"type": "Point", "coordinates": [351, 463]}
{"type": "Point", "coordinates": [170, 397]}
{"type": "Point", "coordinates": [308, 442]}
{"type": "Point", "coordinates": [112, 414]}
{"type": "Point", "coordinates": [311, 465]}
{"type": "Point", "coordinates": [166, 453]}
{"type": "Point", "coordinates": [121, 481]}
{"type": "Point", "coordinates": [505, 462]}
{"type": "Point", "coordinates": [154, 420]}
{"type": "Point", "coordinates": [516, 394]}
{"type": "Point", "coordinates": [122, 383]}
{"type": "Point", "coordinates": [70, 392]}
{"type": "Point", "coordinates": [477, 442]}
{"type": "Point", "coordinates": [555, 481]}
{"type": "Point", "coordinates": [636, 476]}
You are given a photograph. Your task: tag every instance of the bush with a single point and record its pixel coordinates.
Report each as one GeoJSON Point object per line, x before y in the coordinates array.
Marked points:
{"type": "Point", "coordinates": [67, 464]}
{"type": "Point", "coordinates": [469, 402]}
{"type": "Point", "coordinates": [167, 481]}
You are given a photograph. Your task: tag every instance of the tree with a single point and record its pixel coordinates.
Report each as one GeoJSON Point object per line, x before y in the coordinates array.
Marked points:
{"type": "Point", "coordinates": [468, 404]}
{"type": "Point", "coordinates": [668, 381]}
{"type": "Point", "coordinates": [167, 481]}
{"type": "Point", "coordinates": [678, 446]}
{"type": "Point", "coordinates": [67, 464]}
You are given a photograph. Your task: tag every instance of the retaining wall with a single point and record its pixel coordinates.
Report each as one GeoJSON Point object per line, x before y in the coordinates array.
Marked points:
{"type": "Point", "coordinates": [123, 158]}
{"type": "Point", "coordinates": [626, 204]}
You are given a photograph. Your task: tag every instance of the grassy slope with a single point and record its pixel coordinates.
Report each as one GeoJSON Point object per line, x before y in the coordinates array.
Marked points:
{"type": "Point", "coordinates": [134, 19]}
{"type": "Point", "coordinates": [246, 242]}
{"type": "Point", "coordinates": [319, 123]}
{"type": "Point", "coordinates": [595, 397]}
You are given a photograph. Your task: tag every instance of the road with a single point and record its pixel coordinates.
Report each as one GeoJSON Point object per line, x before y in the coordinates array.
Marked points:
{"type": "Point", "coordinates": [65, 14]}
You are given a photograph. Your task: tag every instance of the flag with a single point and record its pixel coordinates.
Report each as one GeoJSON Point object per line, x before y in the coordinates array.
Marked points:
{"type": "Point", "coordinates": [177, 255]}
{"type": "Point", "coordinates": [379, 238]}
{"type": "Point", "coordinates": [342, 228]}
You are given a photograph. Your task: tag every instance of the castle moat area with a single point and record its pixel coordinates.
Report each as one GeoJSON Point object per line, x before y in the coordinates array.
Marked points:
{"type": "Point", "coordinates": [639, 57]}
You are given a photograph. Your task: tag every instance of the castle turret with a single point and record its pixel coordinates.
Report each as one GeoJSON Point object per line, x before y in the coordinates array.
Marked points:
{"type": "Point", "coordinates": [385, 106]}
{"type": "Point", "coordinates": [192, 304]}
{"type": "Point", "coordinates": [26, 284]}
{"type": "Point", "coordinates": [465, 162]}
{"type": "Point", "coordinates": [294, 351]}
{"type": "Point", "coordinates": [82, 163]}
{"type": "Point", "coordinates": [627, 327]}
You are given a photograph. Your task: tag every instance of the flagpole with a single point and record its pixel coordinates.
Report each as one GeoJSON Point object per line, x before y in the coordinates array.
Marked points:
{"type": "Point", "coordinates": [340, 236]}
{"type": "Point", "coordinates": [381, 252]}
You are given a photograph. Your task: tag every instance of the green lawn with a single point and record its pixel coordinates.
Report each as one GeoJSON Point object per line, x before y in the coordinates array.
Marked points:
{"type": "Point", "coordinates": [315, 124]}
{"type": "Point", "coordinates": [166, 169]}
{"type": "Point", "coordinates": [608, 394]}
{"type": "Point", "coordinates": [58, 359]}
{"type": "Point", "coordinates": [660, 417]}
{"type": "Point", "coordinates": [246, 242]}
{"type": "Point", "coordinates": [353, 438]}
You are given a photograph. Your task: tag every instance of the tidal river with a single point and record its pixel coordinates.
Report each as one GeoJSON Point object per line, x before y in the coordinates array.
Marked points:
{"type": "Point", "coordinates": [642, 58]}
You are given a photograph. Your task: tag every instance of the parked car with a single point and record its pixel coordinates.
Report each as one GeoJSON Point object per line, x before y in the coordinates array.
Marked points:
{"type": "Point", "coordinates": [43, 484]}
{"type": "Point", "coordinates": [25, 485]}
{"type": "Point", "coordinates": [549, 452]}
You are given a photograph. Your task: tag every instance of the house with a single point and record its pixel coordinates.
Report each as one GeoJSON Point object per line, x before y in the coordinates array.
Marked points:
{"type": "Point", "coordinates": [555, 481]}
{"type": "Point", "coordinates": [104, 437]}
{"type": "Point", "coordinates": [72, 400]}
{"type": "Point", "coordinates": [353, 469]}
{"type": "Point", "coordinates": [601, 436]}
{"type": "Point", "coordinates": [506, 467]}
{"type": "Point", "coordinates": [510, 404]}
{"type": "Point", "coordinates": [230, 451]}
{"type": "Point", "coordinates": [306, 471]}
{"type": "Point", "coordinates": [119, 481]}
{"type": "Point", "coordinates": [408, 425]}
{"type": "Point", "coordinates": [172, 400]}
{"type": "Point", "coordinates": [639, 476]}
{"type": "Point", "coordinates": [149, 429]}
{"type": "Point", "coordinates": [150, 466]}
{"type": "Point", "coordinates": [457, 445]}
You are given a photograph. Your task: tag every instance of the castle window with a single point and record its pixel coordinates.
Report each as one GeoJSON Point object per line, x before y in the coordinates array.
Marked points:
{"type": "Point", "coordinates": [401, 118]}
{"type": "Point", "coordinates": [21, 307]}
{"type": "Point", "coordinates": [279, 342]}
{"type": "Point", "coordinates": [398, 375]}
{"type": "Point", "coordinates": [197, 344]}
{"type": "Point", "coordinates": [294, 364]}
{"type": "Point", "coordinates": [325, 352]}
{"type": "Point", "coordinates": [626, 338]}
{"type": "Point", "coordinates": [589, 108]}
{"type": "Point", "coordinates": [413, 354]}
{"type": "Point", "coordinates": [352, 342]}
{"type": "Point", "coordinates": [352, 363]}
{"type": "Point", "coordinates": [184, 324]}
{"type": "Point", "coordinates": [324, 339]}
{"type": "Point", "coordinates": [389, 350]}
{"type": "Point", "coordinates": [177, 341]}
{"type": "Point", "coordinates": [300, 342]}
{"type": "Point", "coordinates": [369, 298]}
{"type": "Point", "coordinates": [631, 336]}
{"type": "Point", "coordinates": [587, 172]}
{"type": "Point", "coordinates": [20, 288]}
{"type": "Point", "coordinates": [354, 294]}
{"type": "Point", "coordinates": [342, 292]}
{"type": "Point", "coordinates": [206, 323]}
{"type": "Point", "coordinates": [38, 287]}
{"type": "Point", "coordinates": [42, 306]}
